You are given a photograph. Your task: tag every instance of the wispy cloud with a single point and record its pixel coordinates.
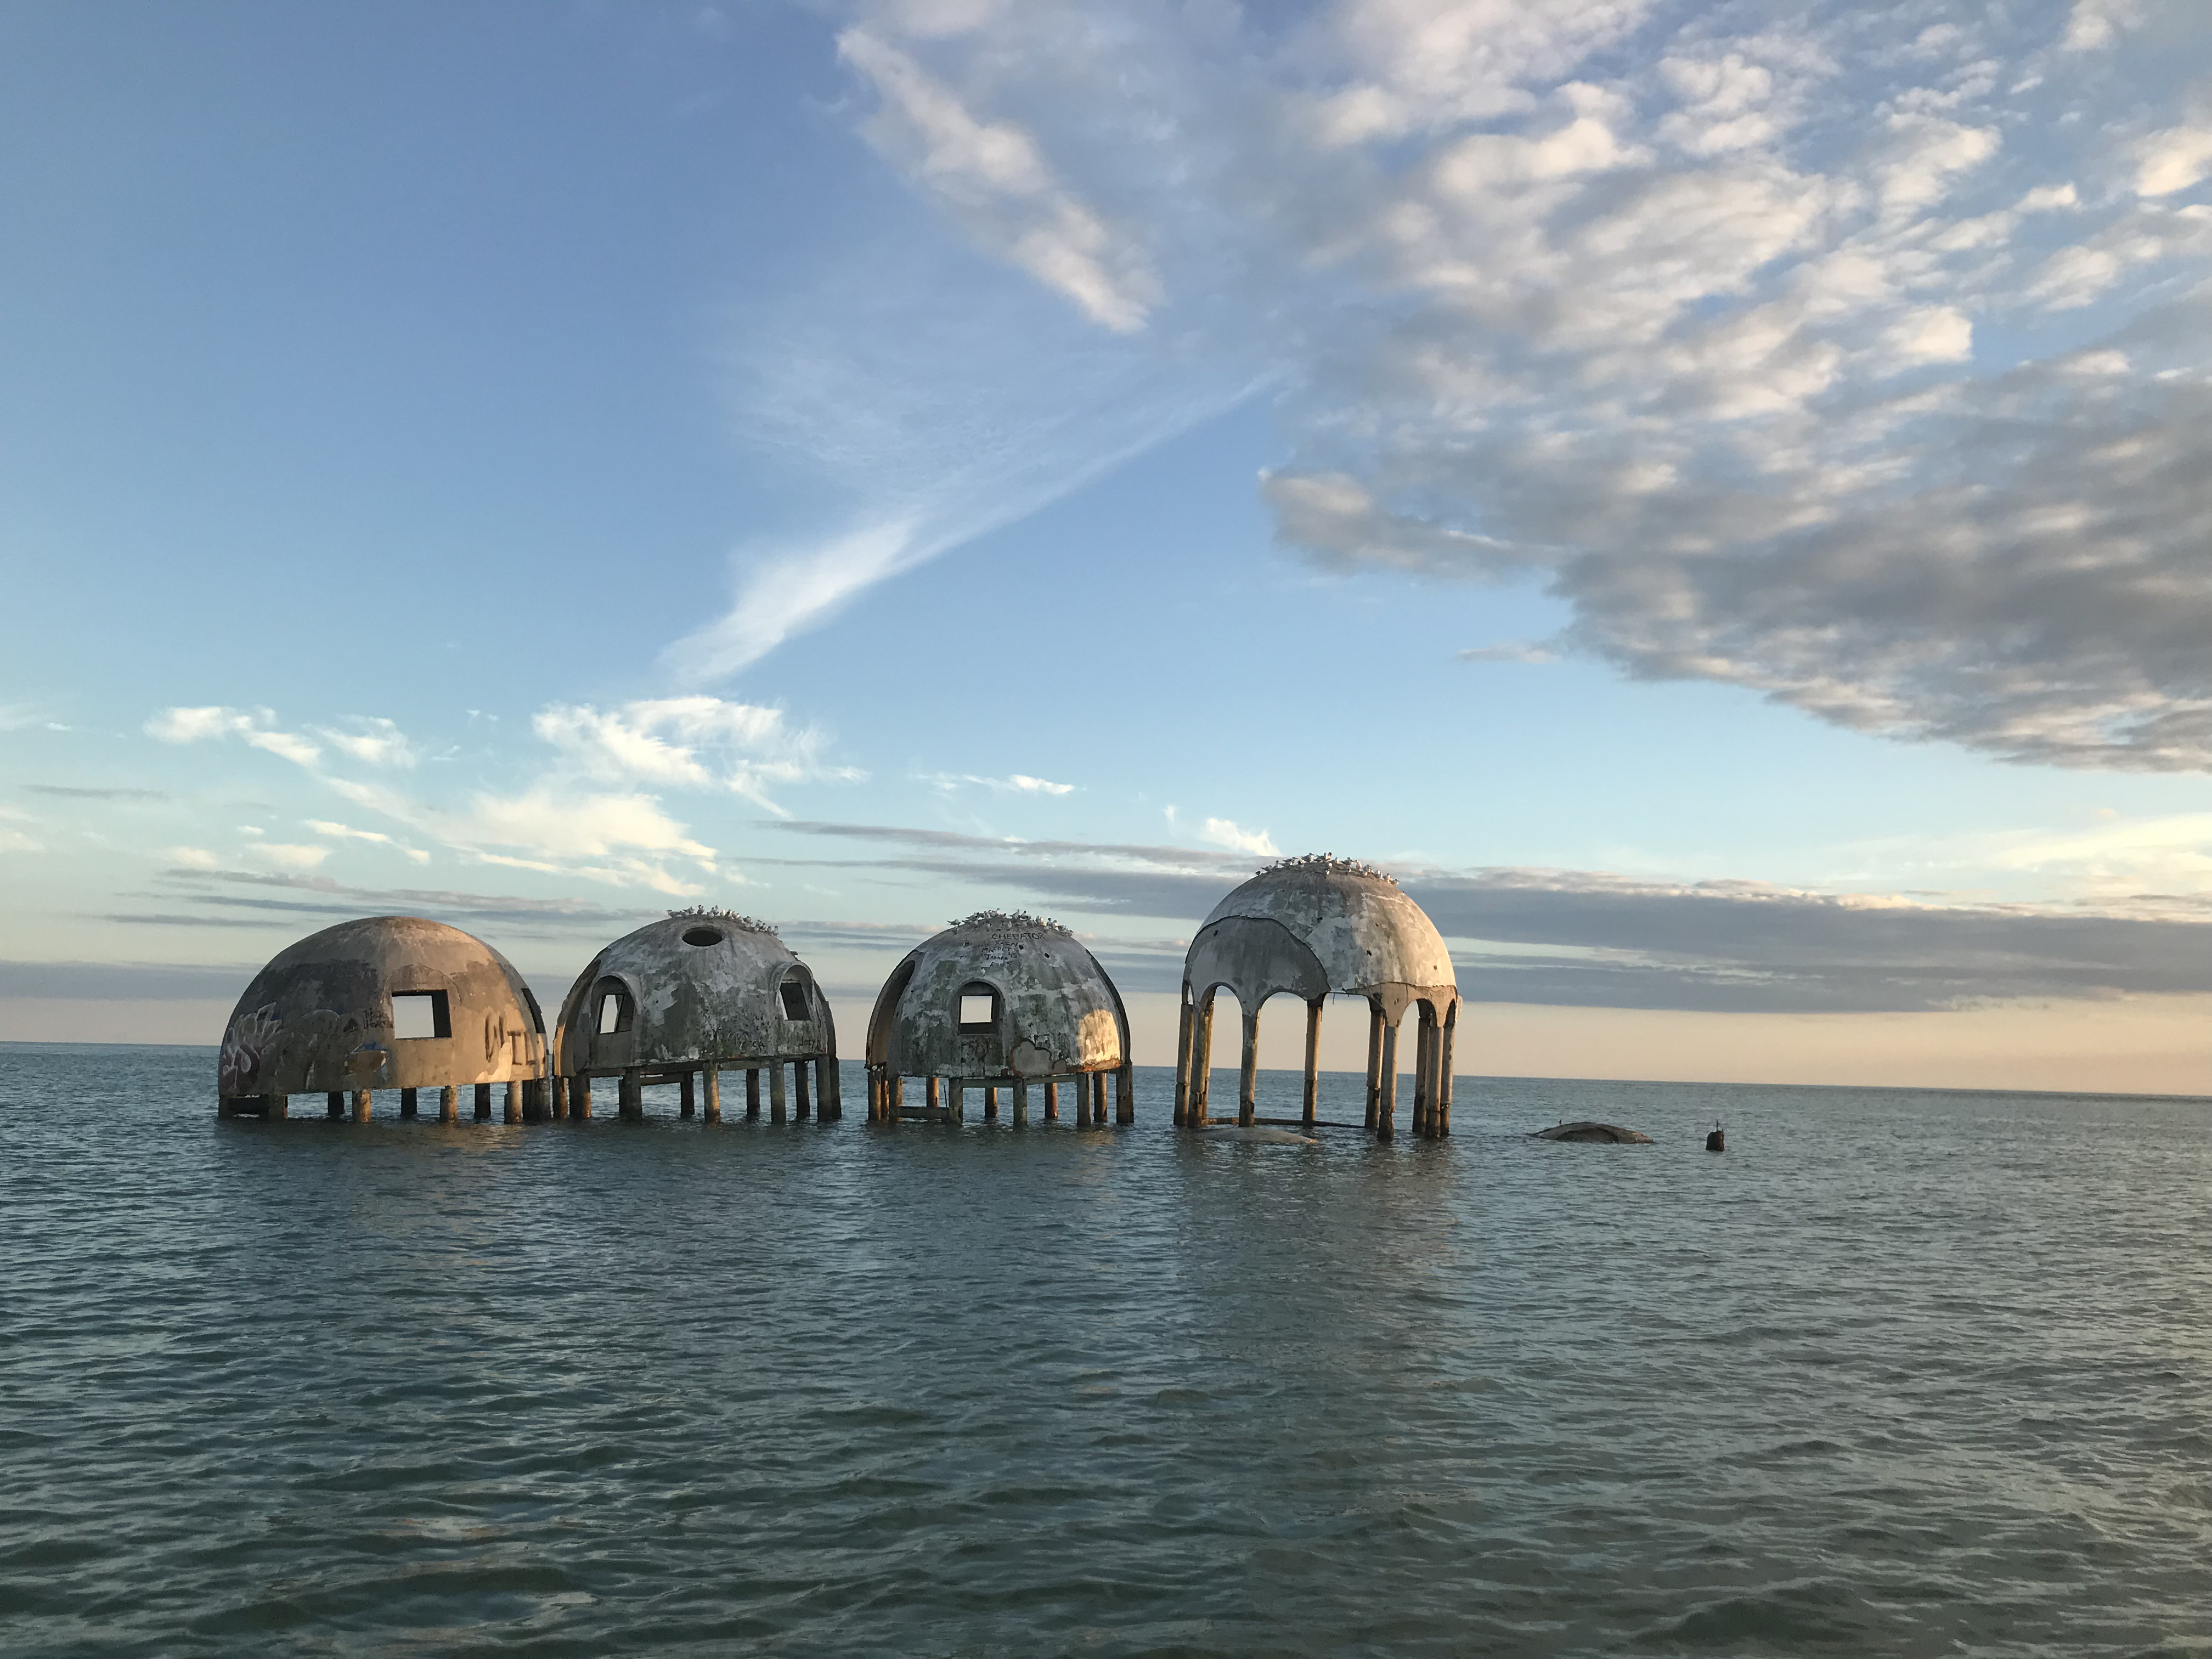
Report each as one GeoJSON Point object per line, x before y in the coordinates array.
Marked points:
{"type": "Point", "coordinates": [1223, 832]}
{"type": "Point", "coordinates": [71, 792]}
{"type": "Point", "coordinates": [1014, 783]}
{"type": "Point", "coordinates": [1860, 363]}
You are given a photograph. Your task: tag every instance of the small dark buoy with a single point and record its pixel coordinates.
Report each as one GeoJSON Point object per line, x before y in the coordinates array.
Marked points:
{"type": "Point", "coordinates": [1717, 1142]}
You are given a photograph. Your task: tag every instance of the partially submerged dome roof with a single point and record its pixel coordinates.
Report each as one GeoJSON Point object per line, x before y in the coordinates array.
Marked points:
{"type": "Point", "coordinates": [321, 1016]}
{"type": "Point", "coordinates": [1053, 1011]}
{"type": "Point", "coordinates": [1320, 924]}
{"type": "Point", "coordinates": [700, 984]}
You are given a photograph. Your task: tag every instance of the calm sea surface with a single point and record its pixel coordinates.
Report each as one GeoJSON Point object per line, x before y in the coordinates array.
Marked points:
{"type": "Point", "coordinates": [1900, 1373]}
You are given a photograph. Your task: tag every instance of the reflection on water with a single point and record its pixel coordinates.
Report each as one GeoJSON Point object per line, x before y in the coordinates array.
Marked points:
{"type": "Point", "coordinates": [1898, 1373]}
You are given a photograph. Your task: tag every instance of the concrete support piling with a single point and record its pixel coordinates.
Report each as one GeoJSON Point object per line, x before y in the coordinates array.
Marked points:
{"type": "Point", "coordinates": [713, 1094]}
{"type": "Point", "coordinates": [800, 1102]}
{"type": "Point", "coordinates": [991, 1103]}
{"type": "Point", "coordinates": [279, 1106]}
{"type": "Point", "coordinates": [1386, 1094]}
{"type": "Point", "coordinates": [1445, 1072]}
{"type": "Point", "coordinates": [1374, 1062]}
{"type": "Point", "coordinates": [449, 1104]}
{"type": "Point", "coordinates": [1421, 1057]}
{"type": "Point", "coordinates": [687, 1096]}
{"type": "Point", "coordinates": [1051, 1100]}
{"type": "Point", "coordinates": [629, 1096]}
{"type": "Point", "coordinates": [483, 1102]}
{"type": "Point", "coordinates": [1125, 1093]}
{"type": "Point", "coordinates": [513, 1113]}
{"type": "Point", "coordinates": [752, 1091]}
{"type": "Point", "coordinates": [336, 1103]}
{"type": "Point", "coordinates": [360, 1103]}
{"type": "Point", "coordinates": [1182, 1061]}
{"type": "Point", "coordinates": [1201, 1062]}
{"type": "Point", "coordinates": [777, 1112]}
{"type": "Point", "coordinates": [580, 1098]}
{"type": "Point", "coordinates": [932, 1096]}
{"type": "Point", "coordinates": [1021, 1100]}
{"type": "Point", "coordinates": [1247, 1078]}
{"type": "Point", "coordinates": [1311, 1111]}
{"type": "Point", "coordinates": [406, 1102]}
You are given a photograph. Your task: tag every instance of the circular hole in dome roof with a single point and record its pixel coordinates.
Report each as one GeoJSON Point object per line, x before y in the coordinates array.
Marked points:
{"type": "Point", "coordinates": [701, 936]}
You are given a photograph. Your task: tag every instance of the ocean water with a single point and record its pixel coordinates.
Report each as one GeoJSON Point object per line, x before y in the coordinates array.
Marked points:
{"type": "Point", "coordinates": [1900, 1373]}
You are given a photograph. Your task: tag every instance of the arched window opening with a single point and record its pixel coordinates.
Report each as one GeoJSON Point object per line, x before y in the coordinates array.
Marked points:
{"type": "Point", "coordinates": [617, 1011]}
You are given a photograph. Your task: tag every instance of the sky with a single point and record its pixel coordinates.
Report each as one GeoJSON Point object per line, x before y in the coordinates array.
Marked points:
{"type": "Point", "coordinates": [1716, 499]}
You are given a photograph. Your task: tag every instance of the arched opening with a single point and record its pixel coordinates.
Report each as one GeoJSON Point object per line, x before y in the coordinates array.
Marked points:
{"type": "Point", "coordinates": [613, 1009]}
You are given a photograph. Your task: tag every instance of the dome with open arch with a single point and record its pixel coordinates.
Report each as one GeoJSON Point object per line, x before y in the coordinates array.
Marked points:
{"type": "Point", "coordinates": [1320, 925]}
{"type": "Point", "coordinates": [384, 1002]}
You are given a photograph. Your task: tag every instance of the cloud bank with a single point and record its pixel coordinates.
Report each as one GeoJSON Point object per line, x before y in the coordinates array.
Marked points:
{"type": "Point", "coordinates": [1854, 354]}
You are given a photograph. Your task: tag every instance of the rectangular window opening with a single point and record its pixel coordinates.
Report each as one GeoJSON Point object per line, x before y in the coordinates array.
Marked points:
{"type": "Point", "coordinates": [794, 999]}
{"type": "Point", "coordinates": [977, 1012]}
{"type": "Point", "coordinates": [419, 1014]}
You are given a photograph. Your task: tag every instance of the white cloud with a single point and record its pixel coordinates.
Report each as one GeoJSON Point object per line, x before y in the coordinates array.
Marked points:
{"type": "Point", "coordinates": [194, 857]}
{"type": "Point", "coordinates": [995, 176]}
{"type": "Point", "coordinates": [1762, 342]}
{"type": "Point", "coordinates": [373, 741]}
{"type": "Point", "coordinates": [2173, 160]}
{"type": "Point", "coordinates": [255, 727]}
{"type": "Point", "coordinates": [286, 855]}
{"type": "Point", "coordinates": [691, 742]}
{"type": "Point", "coordinates": [1018, 783]}
{"type": "Point", "coordinates": [1224, 833]}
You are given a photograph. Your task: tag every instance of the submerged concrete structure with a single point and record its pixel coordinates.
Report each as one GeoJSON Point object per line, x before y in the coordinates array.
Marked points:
{"type": "Point", "coordinates": [1317, 927]}
{"type": "Point", "coordinates": [999, 1001]}
{"type": "Point", "coordinates": [385, 1002]}
{"type": "Point", "coordinates": [684, 999]}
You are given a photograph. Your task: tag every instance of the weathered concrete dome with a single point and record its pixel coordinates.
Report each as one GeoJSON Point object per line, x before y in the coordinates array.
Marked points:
{"type": "Point", "coordinates": [1318, 926]}
{"type": "Point", "coordinates": [997, 998]}
{"type": "Point", "coordinates": [326, 1015]}
{"type": "Point", "coordinates": [704, 984]}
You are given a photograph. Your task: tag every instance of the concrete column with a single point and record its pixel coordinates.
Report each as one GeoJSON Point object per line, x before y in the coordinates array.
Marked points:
{"type": "Point", "coordinates": [533, 1099]}
{"type": "Point", "coordinates": [933, 1095]}
{"type": "Point", "coordinates": [1125, 1093]}
{"type": "Point", "coordinates": [406, 1102]}
{"type": "Point", "coordinates": [775, 1108]}
{"type": "Point", "coordinates": [1312, 1112]}
{"type": "Point", "coordinates": [1445, 1072]}
{"type": "Point", "coordinates": [1421, 1057]}
{"type": "Point", "coordinates": [580, 1098]}
{"type": "Point", "coordinates": [713, 1094]}
{"type": "Point", "coordinates": [279, 1106]}
{"type": "Point", "coordinates": [1098, 1100]}
{"type": "Point", "coordinates": [1386, 1094]}
{"type": "Point", "coordinates": [1247, 1079]}
{"type": "Point", "coordinates": [335, 1103]}
{"type": "Point", "coordinates": [1182, 1062]}
{"type": "Point", "coordinates": [1021, 1100]}
{"type": "Point", "coordinates": [829, 1088]}
{"type": "Point", "coordinates": [449, 1104]}
{"type": "Point", "coordinates": [752, 1091]}
{"type": "Point", "coordinates": [514, 1113]}
{"type": "Point", "coordinates": [361, 1101]}
{"type": "Point", "coordinates": [1051, 1100]}
{"type": "Point", "coordinates": [1374, 1061]}
{"type": "Point", "coordinates": [956, 1104]}
{"type": "Point", "coordinates": [798, 1094]}
{"type": "Point", "coordinates": [483, 1102]}
{"type": "Point", "coordinates": [630, 1094]}
{"type": "Point", "coordinates": [560, 1087]}
{"type": "Point", "coordinates": [991, 1103]}
{"type": "Point", "coordinates": [687, 1096]}
{"type": "Point", "coordinates": [229, 1106]}
{"type": "Point", "coordinates": [1201, 1062]}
